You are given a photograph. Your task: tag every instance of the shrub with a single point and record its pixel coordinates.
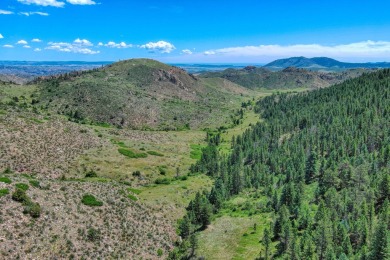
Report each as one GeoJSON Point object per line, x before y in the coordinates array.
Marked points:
{"type": "Point", "coordinates": [93, 234]}
{"type": "Point", "coordinates": [155, 153]}
{"type": "Point", "coordinates": [162, 181]}
{"type": "Point", "coordinates": [34, 209]}
{"type": "Point", "coordinates": [22, 186]}
{"type": "Point", "coordinates": [7, 170]}
{"type": "Point", "coordinates": [3, 192]}
{"type": "Point", "coordinates": [160, 252]}
{"type": "Point", "coordinates": [90, 200]}
{"type": "Point", "coordinates": [20, 196]}
{"type": "Point", "coordinates": [131, 154]}
{"type": "Point", "coordinates": [35, 183]}
{"type": "Point", "coordinates": [162, 171]}
{"type": "Point", "coordinates": [91, 174]}
{"type": "Point", "coordinates": [5, 180]}
{"type": "Point", "coordinates": [137, 174]}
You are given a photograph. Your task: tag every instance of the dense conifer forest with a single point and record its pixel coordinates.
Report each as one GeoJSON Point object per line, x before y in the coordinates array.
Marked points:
{"type": "Point", "coordinates": [322, 159]}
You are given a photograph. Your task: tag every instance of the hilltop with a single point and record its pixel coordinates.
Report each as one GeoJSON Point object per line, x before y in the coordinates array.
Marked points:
{"type": "Point", "coordinates": [319, 63]}
{"type": "Point", "coordinates": [291, 77]}
{"type": "Point", "coordinates": [139, 94]}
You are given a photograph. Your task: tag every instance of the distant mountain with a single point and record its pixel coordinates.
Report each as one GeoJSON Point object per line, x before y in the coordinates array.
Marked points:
{"type": "Point", "coordinates": [291, 77]}
{"type": "Point", "coordinates": [321, 63]}
{"type": "Point", "coordinates": [141, 94]}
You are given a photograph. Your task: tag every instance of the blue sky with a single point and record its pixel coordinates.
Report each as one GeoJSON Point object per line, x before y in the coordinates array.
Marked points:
{"type": "Point", "coordinates": [216, 31]}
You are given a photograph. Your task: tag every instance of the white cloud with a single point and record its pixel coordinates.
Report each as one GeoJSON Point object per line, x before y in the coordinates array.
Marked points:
{"type": "Point", "coordinates": [100, 44]}
{"type": "Point", "coordinates": [33, 13]}
{"type": "Point", "coordinates": [22, 42]}
{"type": "Point", "coordinates": [364, 49]}
{"type": "Point", "coordinates": [36, 40]}
{"type": "Point", "coordinates": [186, 51]}
{"type": "Point", "coordinates": [27, 46]}
{"type": "Point", "coordinates": [209, 53]}
{"type": "Point", "coordinates": [81, 2]}
{"type": "Point", "coordinates": [1, 36]}
{"type": "Point", "coordinates": [82, 42]}
{"type": "Point", "coordinates": [5, 12]}
{"type": "Point", "coordinates": [77, 46]}
{"type": "Point", "coordinates": [161, 46]}
{"type": "Point", "coordinates": [121, 45]}
{"type": "Point", "coordinates": [8, 46]}
{"type": "Point", "coordinates": [54, 3]}
{"type": "Point", "coordinates": [37, 49]}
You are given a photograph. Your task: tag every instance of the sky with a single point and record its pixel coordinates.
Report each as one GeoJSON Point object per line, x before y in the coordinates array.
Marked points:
{"type": "Point", "coordinates": [197, 31]}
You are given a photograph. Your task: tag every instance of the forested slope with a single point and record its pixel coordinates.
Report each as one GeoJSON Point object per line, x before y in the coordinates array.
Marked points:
{"type": "Point", "coordinates": [321, 159]}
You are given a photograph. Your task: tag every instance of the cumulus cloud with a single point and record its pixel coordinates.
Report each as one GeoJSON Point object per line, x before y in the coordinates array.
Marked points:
{"type": "Point", "coordinates": [5, 12]}
{"type": "Point", "coordinates": [1, 36]}
{"type": "Point", "coordinates": [22, 42]}
{"type": "Point", "coordinates": [54, 3]}
{"type": "Point", "coordinates": [81, 2]}
{"type": "Point", "coordinates": [82, 42]}
{"type": "Point", "coordinates": [33, 13]}
{"type": "Point", "coordinates": [8, 46]}
{"type": "Point", "coordinates": [27, 46]}
{"type": "Point", "coordinates": [37, 49]}
{"type": "Point", "coordinates": [121, 45]}
{"type": "Point", "coordinates": [186, 51]}
{"type": "Point", "coordinates": [364, 49]}
{"type": "Point", "coordinates": [77, 46]}
{"type": "Point", "coordinates": [160, 46]}
{"type": "Point", "coordinates": [36, 40]}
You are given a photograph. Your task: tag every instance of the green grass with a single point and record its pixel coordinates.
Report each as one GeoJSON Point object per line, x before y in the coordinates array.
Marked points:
{"type": "Point", "coordinates": [237, 230]}
{"type": "Point", "coordinates": [132, 197]}
{"type": "Point", "coordinates": [35, 183]}
{"type": "Point", "coordinates": [196, 151]}
{"type": "Point", "coordinates": [90, 200]}
{"type": "Point", "coordinates": [3, 192]}
{"type": "Point", "coordinates": [155, 153]}
{"type": "Point", "coordinates": [22, 186]}
{"type": "Point", "coordinates": [131, 154]}
{"type": "Point", "coordinates": [135, 191]}
{"type": "Point", "coordinates": [5, 180]}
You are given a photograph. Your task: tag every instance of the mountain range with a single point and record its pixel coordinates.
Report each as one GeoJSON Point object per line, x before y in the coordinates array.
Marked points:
{"type": "Point", "coordinates": [319, 63]}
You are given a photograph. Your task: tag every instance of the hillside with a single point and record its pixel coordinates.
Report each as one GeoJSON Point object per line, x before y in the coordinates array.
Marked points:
{"type": "Point", "coordinates": [257, 77]}
{"type": "Point", "coordinates": [141, 94]}
{"type": "Point", "coordinates": [311, 180]}
{"type": "Point", "coordinates": [321, 63]}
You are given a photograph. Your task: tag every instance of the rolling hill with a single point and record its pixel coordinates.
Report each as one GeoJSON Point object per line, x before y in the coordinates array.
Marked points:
{"type": "Point", "coordinates": [321, 63]}
{"type": "Point", "coordinates": [257, 77]}
{"type": "Point", "coordinates": [140, 94]}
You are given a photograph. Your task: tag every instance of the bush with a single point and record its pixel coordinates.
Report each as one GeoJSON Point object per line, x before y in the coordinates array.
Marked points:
{"type": "Point", "coordinates": [7, 170]}
{"type": "Point", "coordinates": [163, 181]}
{"type": "Point", "coordinates": [90, 200]}
{"type": "Point", "coordinates": [162, 171]}
{"type": "Point", "coordinates": [137, 174]}
{"type": "Point", "coordinates": [131, 154]}
{"type": "Point", "coordinates": [20, 196]}
{"type": "Point", "coordinates": [5, 180]}
{"type": "Point", "coordinates": [3, 192]}
{"type": "Point", "coordinates": [93, 234]}
{"type": "Point", "coordinates": [155, 153]}
{"type": "Point", "coordinates": [160, 252]}
{"type": "Point", "coordinates": [91, 174]}
{"type": "Point", "coordinates": [34, 209]}
{"type": "Point", "coordinates": [22, 186]}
